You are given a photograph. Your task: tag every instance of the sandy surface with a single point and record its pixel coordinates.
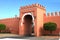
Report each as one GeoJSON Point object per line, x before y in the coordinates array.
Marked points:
{"type": "Point", "coordinates": [7, 35]}
{"type": "Point", "coordinates": [14, 36]}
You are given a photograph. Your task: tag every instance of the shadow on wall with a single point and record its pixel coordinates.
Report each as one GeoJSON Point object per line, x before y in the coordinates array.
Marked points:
{"type": "Point", "coordinates": [47, 33]}
{"type": "Point", "coordinates": [40, 31]}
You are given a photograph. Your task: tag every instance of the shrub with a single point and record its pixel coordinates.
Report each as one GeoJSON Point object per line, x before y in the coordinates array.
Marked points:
{"type": "Point", "coordinates": [50, 26]}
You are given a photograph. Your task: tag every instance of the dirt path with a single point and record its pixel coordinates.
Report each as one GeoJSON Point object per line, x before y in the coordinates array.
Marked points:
{"type": "Point", "coordinates": [7, 35]}
{"type": "Point", "coordinates": [30, 38]}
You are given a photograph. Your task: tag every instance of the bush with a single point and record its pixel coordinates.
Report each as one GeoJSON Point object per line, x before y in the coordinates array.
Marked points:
{"type": "Point", "coordinates": [2, 27]}
{"type": "Point", "coordinates": [50, 26]}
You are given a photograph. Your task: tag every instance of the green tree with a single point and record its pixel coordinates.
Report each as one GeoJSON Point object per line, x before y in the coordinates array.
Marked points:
{"type": "Point", "coordinates": [2, 27]}
{"type": "Point", "coordinates": [50, 26]}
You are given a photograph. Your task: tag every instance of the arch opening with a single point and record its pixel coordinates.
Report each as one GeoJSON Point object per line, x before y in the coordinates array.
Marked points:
{"type": "Point", "coordinates": [28, 24]}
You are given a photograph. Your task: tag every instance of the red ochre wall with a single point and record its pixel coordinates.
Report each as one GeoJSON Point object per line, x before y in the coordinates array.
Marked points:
{"type": "Point", "coordinates": [55, 19]}
{"type": "Point", "coordinates": [12, 24]}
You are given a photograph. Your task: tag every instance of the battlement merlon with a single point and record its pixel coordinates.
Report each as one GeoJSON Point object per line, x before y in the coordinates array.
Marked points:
{"type": "Point", "coordinates": [52, 13]}
{"type": "Point", "coordinates": [56, 13]}
{"type": "Point", "coordinates": [49, 14]}
{"type": "Point", "coordinates": [33, 5]}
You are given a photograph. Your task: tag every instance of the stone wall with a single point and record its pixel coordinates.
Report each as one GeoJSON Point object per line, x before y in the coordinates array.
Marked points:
{"type": "Point", "coordinates": [12, 24]}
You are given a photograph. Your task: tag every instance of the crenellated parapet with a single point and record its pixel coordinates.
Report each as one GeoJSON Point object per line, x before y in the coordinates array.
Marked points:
{"type": "Point", "coordinates": [53, 14]}
{"type": "Point", "coordinates": [33, 5]}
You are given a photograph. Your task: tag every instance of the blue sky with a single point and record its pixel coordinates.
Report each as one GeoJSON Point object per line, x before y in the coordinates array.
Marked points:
{"type": "Point", "coordinates": [10, 8]}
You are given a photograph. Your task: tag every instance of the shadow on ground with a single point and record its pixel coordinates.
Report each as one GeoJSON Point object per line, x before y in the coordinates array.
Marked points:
{"type": "Point", "coordinates": [31, 38]}
{"type": "Point", "coordinates": [12, 36]}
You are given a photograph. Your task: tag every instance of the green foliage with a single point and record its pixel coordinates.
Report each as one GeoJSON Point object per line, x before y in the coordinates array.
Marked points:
{"type": "Point", "coordinates": [50, 26]}
{"type": "Point", "coordinates": [2, 27]}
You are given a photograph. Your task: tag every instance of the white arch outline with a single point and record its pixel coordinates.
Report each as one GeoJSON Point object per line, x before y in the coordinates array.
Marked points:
{"type": "Point", "coordinates": [25, 15]}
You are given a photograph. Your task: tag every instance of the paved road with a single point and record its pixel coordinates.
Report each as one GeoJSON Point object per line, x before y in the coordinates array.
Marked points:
{"type": "Point", "coordinates": [34, 38]}
{"type": "Point", "coordinates": [13, 36]}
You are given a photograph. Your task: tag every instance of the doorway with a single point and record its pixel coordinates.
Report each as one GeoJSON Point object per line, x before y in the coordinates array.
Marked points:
{"type": "Point", "coordinates": [28, 24]}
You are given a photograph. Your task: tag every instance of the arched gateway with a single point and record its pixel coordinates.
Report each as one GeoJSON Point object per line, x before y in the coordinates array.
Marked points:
{"type": "Point", "coordinates": [29, 15]}
{"type": "Point", "coordinates": [27, 21]}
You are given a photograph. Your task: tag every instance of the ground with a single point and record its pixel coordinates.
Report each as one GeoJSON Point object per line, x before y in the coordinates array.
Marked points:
{"type": "Point", "coordinates": [14, 36]}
